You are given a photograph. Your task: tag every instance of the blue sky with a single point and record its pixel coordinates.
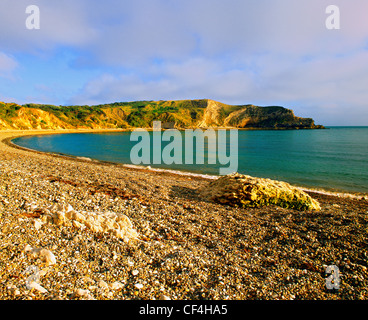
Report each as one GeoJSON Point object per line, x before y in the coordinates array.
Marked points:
{"type": "Point", "coordinates": [266, 52]}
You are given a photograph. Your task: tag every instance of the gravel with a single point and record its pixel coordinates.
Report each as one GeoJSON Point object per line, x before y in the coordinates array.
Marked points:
{"type": "Point", "coordinates": [187, 247]}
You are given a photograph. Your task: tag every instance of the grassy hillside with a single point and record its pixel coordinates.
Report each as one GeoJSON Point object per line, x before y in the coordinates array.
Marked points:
{"type": "Point", "coordinates": [182, 113]}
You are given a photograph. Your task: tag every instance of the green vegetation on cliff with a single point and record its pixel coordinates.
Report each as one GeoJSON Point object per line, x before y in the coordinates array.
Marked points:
{"type": "Point", "coordinates": [179, 114]}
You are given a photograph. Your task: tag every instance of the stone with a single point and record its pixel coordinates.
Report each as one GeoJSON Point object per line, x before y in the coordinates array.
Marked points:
{"type": "Point", "coordinates": [13, 290]}
{"type": "Point", "coordinates": [84, 294]}
{"type": "Point", "coordinates": [103, 285]}
{"type": "Point", "coordinates": [116, 285]}
{"type": "Point", "coordinates": [138, 285]}
{"type": "Point", "coordinates": [37, 286]}
{"type": "Point", "coordinates": [116, 224]}
{"type": "Point", "coordinates": [38, 224]}
{"type": "Point", "coordinates": [246, 191]}
{"type": "Point", "coordinates": [44, 254]}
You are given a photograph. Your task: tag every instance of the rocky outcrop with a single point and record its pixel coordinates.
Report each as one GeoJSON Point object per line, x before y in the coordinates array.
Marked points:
{"type": "Point", "coordinates": [268, 117]}
{"type": "Point", "coordinates": [212, 115]}
{"type": "Point", "coordinates": [246, 191]}
{"type": "Point", "coordinates": [32, 118]}
{"type": "Point", "coordinates": [118, 225]}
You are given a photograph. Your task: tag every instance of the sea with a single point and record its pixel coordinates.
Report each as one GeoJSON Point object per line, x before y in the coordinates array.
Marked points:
{"type": "Point", "coordinates": [332, 159]}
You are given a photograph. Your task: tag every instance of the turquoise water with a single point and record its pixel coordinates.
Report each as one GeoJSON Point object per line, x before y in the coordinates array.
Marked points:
{"type": "Point", "coordinates": [334, 159]}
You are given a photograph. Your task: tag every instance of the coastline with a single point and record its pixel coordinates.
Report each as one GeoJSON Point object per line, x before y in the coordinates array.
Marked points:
{"type": "Point", "coordinates": [8, 141]}
{"type": "Point", "coordinates": [188, 248]}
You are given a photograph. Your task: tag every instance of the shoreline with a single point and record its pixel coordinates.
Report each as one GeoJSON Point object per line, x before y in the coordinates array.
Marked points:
{"type": "Point", "coordinates": [8, 141]}
{"type": "Point", "coordinates": [187, 248]}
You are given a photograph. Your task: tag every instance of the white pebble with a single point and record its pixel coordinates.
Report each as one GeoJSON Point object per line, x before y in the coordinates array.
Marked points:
{"type": "Point", "coordinates": [138, 285]}
{"type": "Point", "coordinates": [116, 285]}
{"type": "Point", "coordinates": [37, 287]}
{"type": "Point", "coordinates": [102, 284]}
{"type": "Point", "coordinates": [38, 224]}
{"type": "Point", "coordinates": [44, 254]}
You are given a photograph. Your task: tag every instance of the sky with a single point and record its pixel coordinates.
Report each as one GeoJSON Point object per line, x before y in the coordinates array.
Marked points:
{"type": "Point", "coordinates": [265, 52]}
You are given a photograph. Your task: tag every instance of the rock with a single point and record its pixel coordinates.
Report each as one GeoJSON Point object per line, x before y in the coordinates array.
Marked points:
{"type": "Point", "coordinates": [78, 225]}
{"type": "Point", "coordinates": [85, 294]}
{"type": "Point", "coordinates": [44, 271]}
{"type": "Point", "coordinates": [38, 224]}
{"type": "Point", "coordinates": [88, 279]}
{"type": "Point", "coordinates": [135, 272]}
{"type": "Point", "coordinates": [44, 254]}
{"type": "Point", "coordinates": [108, 222]}
{"type": "Point", "coordinates": [246, 191]}
{"type": "Point", "coordinates": [138, 285]}
{"type": "Point", "coordinates": [116, 285]}
{"type": "Point", "coordinates": [103, 285]}
{"type": "Point", "coordinates": [13, 290]}
{"type": "Point", "coordinates": [37, 286]}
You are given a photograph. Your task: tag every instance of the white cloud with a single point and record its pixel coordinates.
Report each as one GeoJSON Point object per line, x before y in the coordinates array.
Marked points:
{"type": "Point", "coordinates": [7, 65]}
{"type": "Point", "coordinates": [131, 32]}
{"type": "Point", "coordinates": [195, 78]}
{"type": "Point", "coordinates": [61, 23]}
{"type": "Point", "coordinates": [318, 88]}
{"type": "Point", "coordinates": [211, 28]}
{"type": "Point", "coordinates": [235, 51]}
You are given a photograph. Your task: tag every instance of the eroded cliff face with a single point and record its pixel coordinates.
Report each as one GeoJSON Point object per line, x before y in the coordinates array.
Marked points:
{"type": "Point", "coordinates": [213, 115]}
{"type": "Point", "coordinates": [221, 115]}
{"type": "Point", "coordinates": [183, 114]}
{"type": "Point", "coordinates": [267, 117]}
{"type": "Point", "coordinates": [30, 118]}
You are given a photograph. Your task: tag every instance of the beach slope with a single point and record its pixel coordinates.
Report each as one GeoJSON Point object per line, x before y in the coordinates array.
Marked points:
{"type": "Point", "coordinates": [186, 247]}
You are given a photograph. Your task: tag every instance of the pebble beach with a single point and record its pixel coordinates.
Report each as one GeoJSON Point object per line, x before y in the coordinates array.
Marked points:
{"type": "Point", "coordinates": [185, 247]}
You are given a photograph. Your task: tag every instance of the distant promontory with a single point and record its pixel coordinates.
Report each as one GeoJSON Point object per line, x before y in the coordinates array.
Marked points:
{"type": "Point", "coordinates": [179, 114]}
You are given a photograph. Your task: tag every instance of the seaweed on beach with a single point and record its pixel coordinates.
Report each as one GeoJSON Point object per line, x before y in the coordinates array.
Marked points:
{"type": "Point", "coordinates": [246, 191]}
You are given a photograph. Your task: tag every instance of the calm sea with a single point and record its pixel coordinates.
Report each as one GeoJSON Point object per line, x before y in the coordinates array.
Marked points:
{"type": "Point", "coordinates": [335, 159]}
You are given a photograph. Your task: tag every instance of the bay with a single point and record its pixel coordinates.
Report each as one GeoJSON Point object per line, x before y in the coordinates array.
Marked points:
{"type": "Point", "coordinates": [335, 159]}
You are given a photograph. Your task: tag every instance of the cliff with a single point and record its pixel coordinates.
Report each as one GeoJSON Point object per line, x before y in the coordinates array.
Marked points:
{"type": "Point", "coordinates": [179, 114]}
